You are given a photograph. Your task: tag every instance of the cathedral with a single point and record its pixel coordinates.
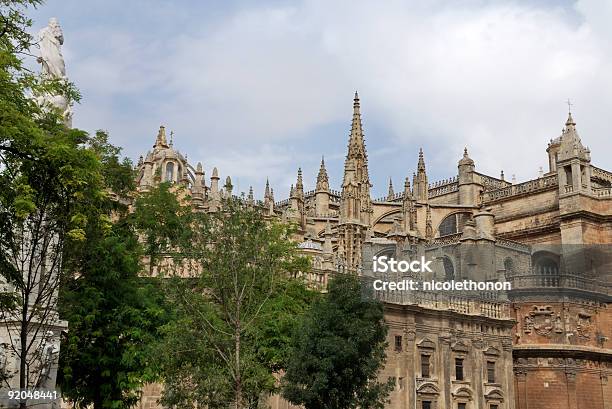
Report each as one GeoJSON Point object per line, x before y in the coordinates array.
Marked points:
{"type": "Point", "coordinates": [546, 343]}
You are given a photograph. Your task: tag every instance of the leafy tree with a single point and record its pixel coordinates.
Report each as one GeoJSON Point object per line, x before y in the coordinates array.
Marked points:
{"type": "Point", "coordinates": [56, 224]}
{"type": "Point", "coordinates": [337, 352]}
{"type": "Point", "coordinates": [239, 282]}
{"type": "Point", "coordinates": [164, 223]}
{"type": "Point", "coordinates": [44, 171]}
{"type": "Point", "coordinates": [112, 313]}
{"type": "Point", "coordinates": [113, 316]}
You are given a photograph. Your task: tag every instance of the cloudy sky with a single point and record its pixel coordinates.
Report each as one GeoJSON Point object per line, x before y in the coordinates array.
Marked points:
{"type": "Point", "coordinates": [258, 88]}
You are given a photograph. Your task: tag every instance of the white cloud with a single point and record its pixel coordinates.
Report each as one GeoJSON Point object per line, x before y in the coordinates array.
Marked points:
{"type": "Point", "coordinates": [441, 75]}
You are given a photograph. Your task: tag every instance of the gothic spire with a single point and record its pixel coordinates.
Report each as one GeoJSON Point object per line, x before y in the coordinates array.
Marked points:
{"type": "Point", "coordinates": [391, 194]}
{"type": "Point", "coordinates": [322, 178]}
{"type": "Point", "coordinates": [356, 141]}
{"type": "Point", "coordinates": [267, 191]}
{"type": "Point", "coordinates": [421, 165]}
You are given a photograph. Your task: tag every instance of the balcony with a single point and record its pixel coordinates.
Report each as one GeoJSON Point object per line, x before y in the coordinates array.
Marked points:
{"type": "Point", "coordinates": [565, 281]}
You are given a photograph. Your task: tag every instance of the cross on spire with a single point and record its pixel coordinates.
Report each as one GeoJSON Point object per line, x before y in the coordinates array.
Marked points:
{"type": "Point", "coordinates": [569, 106]}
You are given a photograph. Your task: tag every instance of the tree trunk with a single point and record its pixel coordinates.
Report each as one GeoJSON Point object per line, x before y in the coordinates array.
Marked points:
{"type": "Point", "coordinates": [23, 353]}
{"type": "Point", "coordinates": [238, 376]}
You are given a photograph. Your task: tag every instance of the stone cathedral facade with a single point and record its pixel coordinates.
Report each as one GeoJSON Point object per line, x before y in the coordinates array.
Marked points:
{"type": "Point", "coordinates": [545, 344]}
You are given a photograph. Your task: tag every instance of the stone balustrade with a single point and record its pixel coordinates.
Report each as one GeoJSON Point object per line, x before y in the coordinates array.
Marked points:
{"type": "Point", "coordinates": [602, 192]}
{"type": "Point", "coordinates": [530, 186]}
{"type": "Point", "coordinates": [444, 189]}
{"type": "Point", "coordinates": [449, 302]}
{"type": "Point", "coordinates": [568, 281]}
{"type": "Point", "coordinates": [601, 173]}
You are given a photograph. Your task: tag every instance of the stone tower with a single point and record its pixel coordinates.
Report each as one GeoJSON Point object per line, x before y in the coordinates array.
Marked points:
{"type": "Point", "coordinates": [322, 192]}
{"type": "Point", "coordinates": [355, 200]}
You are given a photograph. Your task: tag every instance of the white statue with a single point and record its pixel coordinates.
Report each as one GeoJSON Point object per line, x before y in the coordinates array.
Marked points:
{"type": "Point", "coordinates": [51, 39]}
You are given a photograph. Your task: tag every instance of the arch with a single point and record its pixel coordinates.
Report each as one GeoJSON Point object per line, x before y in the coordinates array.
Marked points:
{"type": "Point", "coordinates": [495, 395]}
{"type": "Point", "coordinates": [463, 392]}
{"type": "Point", "coordinates": [492, 351]}
{"type": "Point", "coordinates": [546, 266]}
{"type": "Point", "coordinates": [387, 214]}
{"type": "Point", "coordinates": [449, 269]}
{"type": "Point", "coordinates": [387, 251]}
{"type": "Point", "coordinates": [428, 388]}
{"type": "Point", "coordinates": [169, 175]}
{"type": "Point", "coordinates": [453, 223]}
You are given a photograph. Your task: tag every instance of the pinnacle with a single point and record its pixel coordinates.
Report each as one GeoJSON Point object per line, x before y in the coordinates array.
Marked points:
{"type": "Point", "coordinates": [161, 137]}
{"type": "Point", "coordinates": [391, 193]}
{"type": "Point", "coordinates": [421, 165]}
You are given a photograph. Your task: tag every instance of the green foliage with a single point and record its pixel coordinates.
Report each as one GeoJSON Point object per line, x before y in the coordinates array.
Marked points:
{"type": "Point", "coordinates": [235, 315]}
{"type": "Point", "coordinates": [113, 315]}
{"type": "Point", "coordinates": [163, 222]}
{"type": "Point", "coordinates": [337, 351]}
{"type": "Point", "coordinates": [61, 191]}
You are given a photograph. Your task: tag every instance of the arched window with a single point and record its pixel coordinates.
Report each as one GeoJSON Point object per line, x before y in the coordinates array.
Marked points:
{"type": "Point", "coordinates": [449, 270]}
{"type": "Point", "coordinates": [170, 172]}
{"type": "Point", "coordinates": [453, 223]}
{"type": "Point", "coordinates": [509, 266]}
{"type": "Point", "coordinates": [546, 265]}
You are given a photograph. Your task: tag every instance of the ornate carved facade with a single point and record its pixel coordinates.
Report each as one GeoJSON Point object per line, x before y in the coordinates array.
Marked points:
{"type": "Point", "coordinates": [544, 344]}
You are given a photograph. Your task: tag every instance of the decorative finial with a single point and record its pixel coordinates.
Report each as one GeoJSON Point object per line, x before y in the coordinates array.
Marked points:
{"type": "Point", "coordinates": [569, 106]}
{"type": "Point", "coordinates": [391, 193]}
{"type": "Point", "coordinates": [502, 175]}
{"type": "Point", "coordinates": [465, 152]}
{"type": "Point", "coordinates": [171, 138]}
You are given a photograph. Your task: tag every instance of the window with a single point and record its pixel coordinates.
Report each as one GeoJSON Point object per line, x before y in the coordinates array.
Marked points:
{"type": "Point", "coordinates": [169, 172]}
{"type": "Point", "coordinates": [453, 223]}
{"type": "Point", "coordinates": [490, 371]}
{"type": "Point", "coordinates": [459, 369]}
{"type": "Point", "coordinates": [449, 270]}
{"type": "Point", "coordinates": [398, 343]}
{"type": "Point", "coordinates": [425, 366]}
{"type": "Point", "coordinates": [426, 404]}
{"type": "Point", "coordinates": [493, 407]}
{"type": "Point", "coordinates": [461, 405]}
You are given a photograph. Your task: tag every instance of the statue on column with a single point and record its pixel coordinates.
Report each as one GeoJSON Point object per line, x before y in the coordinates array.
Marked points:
{"type": "Point", "coordinates": [51, 39]}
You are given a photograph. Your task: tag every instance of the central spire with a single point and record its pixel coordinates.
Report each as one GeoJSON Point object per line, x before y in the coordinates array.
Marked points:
{"type": "Point", "coordinates": [355, 202]}
{"type": "Point", "coordinates": [356, 141]}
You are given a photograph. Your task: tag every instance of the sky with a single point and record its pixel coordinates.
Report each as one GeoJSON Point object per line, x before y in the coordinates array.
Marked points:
{"type": "Point", "coordinates": [260, 88]}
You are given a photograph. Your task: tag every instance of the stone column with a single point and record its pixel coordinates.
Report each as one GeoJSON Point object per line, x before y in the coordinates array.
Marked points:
{"type": "Point", "coordinates": [572, 399]}
{"type": "Point", "coordinates": [520, 377]}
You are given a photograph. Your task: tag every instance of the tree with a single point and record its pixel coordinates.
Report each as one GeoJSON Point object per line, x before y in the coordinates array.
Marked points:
{"type": "Point", "coordinates": [337, 352]}
{"type": "Point", "coordinates": [44, 172]}
{"type": "Point", "coordinates": [112, 312]}
{"type": "Point", "coordinates": [56, 227]}
{"type": "Point", "coordinates": [113, 316]}
{"type": "Point", "coordinates": [240, 265]}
